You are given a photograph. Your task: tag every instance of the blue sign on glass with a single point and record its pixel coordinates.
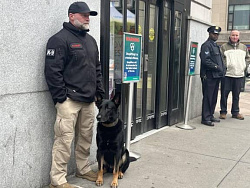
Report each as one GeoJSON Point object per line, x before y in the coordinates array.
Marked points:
{"type": "Point", "coordinates": [131, 57]}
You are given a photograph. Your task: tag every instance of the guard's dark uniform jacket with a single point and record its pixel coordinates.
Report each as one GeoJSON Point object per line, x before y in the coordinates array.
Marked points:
{"type": "Point", "coordinates": [72, 66]}
{"type": "Point", "coordinates": [212, 65]}
{"type": "Point", "coordinates": [211, 72]}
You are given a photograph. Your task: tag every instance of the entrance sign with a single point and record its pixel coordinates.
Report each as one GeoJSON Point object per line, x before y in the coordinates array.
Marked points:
{"type": "Point", "coordinates": [192, 61]}
{"type": "Point", "coordinates": [131, 57]}
{"type": "Point", "coordinates": [192, 57]}
{"type": "Point", "coordinates": [132, 47]}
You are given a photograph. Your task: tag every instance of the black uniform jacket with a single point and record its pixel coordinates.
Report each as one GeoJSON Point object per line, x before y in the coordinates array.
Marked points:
{"type": "Point", "coordinates": [72, 66]}
{"type": "Point", "coordinates": [212, 65]}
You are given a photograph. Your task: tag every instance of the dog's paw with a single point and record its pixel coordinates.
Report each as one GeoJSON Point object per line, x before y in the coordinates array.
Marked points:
{"type": "Point", "coordinates": [120, 175]}
{"type": "Point", "coordinates": [114, 184]}
{"type": "Point", "coordinates": [99, 182]}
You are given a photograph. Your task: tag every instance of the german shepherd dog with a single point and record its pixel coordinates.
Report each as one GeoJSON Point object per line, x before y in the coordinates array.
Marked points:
{"type": "Point", "coordinates": [111, 153]}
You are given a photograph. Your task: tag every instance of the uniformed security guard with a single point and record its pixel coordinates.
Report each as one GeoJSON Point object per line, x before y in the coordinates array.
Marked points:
{"type": "Point", "coordinates": [211, 72]}
{"type": "Point", "coordinates": [73, 75]}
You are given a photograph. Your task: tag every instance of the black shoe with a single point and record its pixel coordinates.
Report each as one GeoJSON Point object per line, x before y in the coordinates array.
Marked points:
{"type": "Point", "coordinates": [208, 123]}
{"type": "Point", "coordinates": [213, 119]}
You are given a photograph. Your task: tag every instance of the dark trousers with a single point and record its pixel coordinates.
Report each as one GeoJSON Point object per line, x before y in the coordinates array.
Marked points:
{"type": "Point", "coordinates": [210, 87]}
{"type": "Point", "coordinates": [230, 84]}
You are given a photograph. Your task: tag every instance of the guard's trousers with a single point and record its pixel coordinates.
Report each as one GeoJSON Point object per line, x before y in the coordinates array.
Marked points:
{"type": "Point", "coordinates": [210, 87]}
{"type": "Point", "coordinates": [73, 119]}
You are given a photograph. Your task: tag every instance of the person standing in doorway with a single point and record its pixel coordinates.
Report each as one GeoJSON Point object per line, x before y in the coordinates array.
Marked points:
{"type": "Point", "coordinates": [236, 59]}
{"type": "Point", "coordinates": [73, 75]}
{"type": "Point", "coordinates": [211, 72]}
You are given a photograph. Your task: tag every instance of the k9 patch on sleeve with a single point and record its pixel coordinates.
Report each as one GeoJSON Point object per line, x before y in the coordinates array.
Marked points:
{"type": "Point", "coordinates": [51, 53]}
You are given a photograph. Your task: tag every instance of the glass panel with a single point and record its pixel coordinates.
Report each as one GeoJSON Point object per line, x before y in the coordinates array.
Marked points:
{"type": "Point", "coordinates": [230, 17]}
{"type": "Point", "coordinates": [177, 54]}
{"type": "Point", "coordinates": [231, 9]}
{"type": "Point", "coordinates": [115, 59]}
{"type": "Point", "coordinates": [242, 7]}
{"type": "Point", "coordinates": [130, 4]}
{"type": "Point", "coordinates": [152, 58]}
{"type": "Point", "coordinates": [116, 3]}
{"type": "Point", "coordinates": [130, 17]}
{"type": "Point", "coordinates": [165, 59]}
{"type": "Point", "coordinates": [139, 84]}
{"type": "Point", "coordinates": [241, 17]}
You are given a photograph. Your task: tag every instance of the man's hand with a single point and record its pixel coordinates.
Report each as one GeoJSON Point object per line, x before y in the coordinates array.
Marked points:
{"type": "Point", "coordinates": [218, 68]}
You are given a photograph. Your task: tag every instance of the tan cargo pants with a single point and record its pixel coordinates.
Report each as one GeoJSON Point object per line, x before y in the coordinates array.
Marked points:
{"type": "Point", "coordinates": [73, 118]}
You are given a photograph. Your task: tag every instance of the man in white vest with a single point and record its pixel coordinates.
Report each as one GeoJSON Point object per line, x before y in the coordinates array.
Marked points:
{"type": "Point", "coordinates": [236, 58]}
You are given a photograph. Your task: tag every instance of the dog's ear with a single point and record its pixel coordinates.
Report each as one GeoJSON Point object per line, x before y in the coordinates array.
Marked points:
{"type": "Point", "coordinates": [117, 99]}
{"type": "Point", "coordinates": [98, 103]}
{"type": "Point", "coordinates": [98, 100]}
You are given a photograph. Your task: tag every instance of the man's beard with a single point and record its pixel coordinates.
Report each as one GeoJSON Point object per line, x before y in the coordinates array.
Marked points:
{"type": "Point", "coordinates": [81, 26]}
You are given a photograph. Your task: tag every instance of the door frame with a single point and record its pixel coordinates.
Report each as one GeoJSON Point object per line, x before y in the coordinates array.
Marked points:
{"type": "Point", "coordinates": [173, 116]}
{"type": "Point", "coordinates": [177, 115]}
{"type": "Point", "coordinates": [144, 124]}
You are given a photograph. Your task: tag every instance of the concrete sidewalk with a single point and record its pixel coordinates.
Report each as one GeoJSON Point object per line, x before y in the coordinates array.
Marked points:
{"type": "Point", "coordinates": [206, 157]}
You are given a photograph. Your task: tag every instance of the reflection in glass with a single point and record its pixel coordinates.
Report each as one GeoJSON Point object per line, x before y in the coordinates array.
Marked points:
{"type": "Point", "coordinates": [139, 84]}
{"type": "Point", "coordinates": [152, 58]}
{"type": "Point", "coordinates": [165, 60]}
{"type": "Point", "coordinates": [115, 59]}
{"type": "Point", "coordinates": [131, 29]}
{"type": "Point", "coordinates": [177, 51]}
{"type": "Point", "coordinates": [130, 21]}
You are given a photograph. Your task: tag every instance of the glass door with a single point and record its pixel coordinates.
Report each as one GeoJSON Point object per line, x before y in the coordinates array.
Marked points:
{"type": "Point", "coordinates": [146, 89]}
{"type": "Point", "coordinates": [141, 14]}
{"type": "Point", "coordinates": [152, 63]}
{"type": "Point", "coordinates": [177, 67]}
{"type": "Point", "coordinates": [159, 96]}
{"type": "Point", "coordinates": [163, 67]}
{"type": "Point", "coordinates": [177, 55]}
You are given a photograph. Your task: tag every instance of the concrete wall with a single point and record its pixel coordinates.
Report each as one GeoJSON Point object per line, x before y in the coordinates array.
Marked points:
{"type": "Point", "coordinates": [27, 112]}
{"type": "Point", "coordinates": [219, 16]}
{"type": "Point", "coordinates": [199, 21]}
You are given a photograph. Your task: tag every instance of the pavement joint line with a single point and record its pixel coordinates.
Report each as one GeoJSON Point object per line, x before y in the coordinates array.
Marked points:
{"type": "Point", "coordinates": [210, 155]}
{"type": "Point", "coordinates": [233, 167]}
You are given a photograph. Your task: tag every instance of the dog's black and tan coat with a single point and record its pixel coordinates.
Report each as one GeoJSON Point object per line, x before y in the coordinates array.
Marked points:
{"type": "Point", "coordinates": [111, 153]}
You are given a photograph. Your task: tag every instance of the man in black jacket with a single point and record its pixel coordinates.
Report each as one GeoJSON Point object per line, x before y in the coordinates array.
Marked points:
{"type": "Point", "coordinates": [73, 75]}
{"type": "Point", "coordinates": [211, 72]}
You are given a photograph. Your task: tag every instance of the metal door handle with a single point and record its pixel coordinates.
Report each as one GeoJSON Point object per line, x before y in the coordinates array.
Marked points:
{"type": "Point", "coordinates": [146, 62]}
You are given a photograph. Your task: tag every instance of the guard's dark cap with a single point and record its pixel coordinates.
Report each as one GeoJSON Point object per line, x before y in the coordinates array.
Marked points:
{"type": "Point", "coordinates": [214, 29]}
{"type": "Point", "coordinates": [80, 7]}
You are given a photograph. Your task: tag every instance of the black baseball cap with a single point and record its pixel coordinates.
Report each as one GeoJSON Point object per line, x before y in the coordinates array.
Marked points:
{"type": "Point", "coordinates": [80, 7]}
{"type": "Point", "coordinates": [214, 29]}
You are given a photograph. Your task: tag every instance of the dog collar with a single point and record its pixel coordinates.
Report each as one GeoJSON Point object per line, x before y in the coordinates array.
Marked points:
{"type": "Point", "coordinates": [110, 124]}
